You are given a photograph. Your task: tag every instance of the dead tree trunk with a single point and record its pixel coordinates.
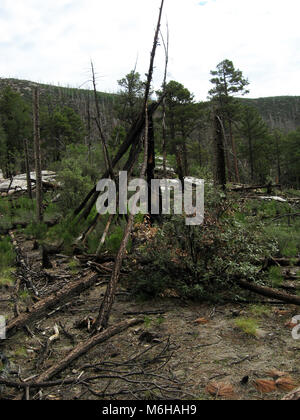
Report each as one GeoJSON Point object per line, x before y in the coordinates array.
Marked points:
{"type": "Point", "coordinates": [269, 292]}
{"type": "Point", "coordinates": [132, 140]}
{"type": "Point", "coordinates": [37, 153]}
{"type": "Point", "coordinates": [164, 126]}
{"type": "Point", "coordinates": [108, 301]}
{"type": "Point", "coordinates": [220, 178]}
{"type": "Point", "coordinates": [27, 166]}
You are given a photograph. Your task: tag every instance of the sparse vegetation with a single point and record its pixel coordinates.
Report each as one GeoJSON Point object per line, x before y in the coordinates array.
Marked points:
{"type": "Point", "coordinates": [146, 306]}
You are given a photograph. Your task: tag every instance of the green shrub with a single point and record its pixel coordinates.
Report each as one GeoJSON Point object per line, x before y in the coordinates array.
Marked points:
{"type": "Point", "coordinates": [36, 230]}
{"type": "Point", "coordinates": [203, 261]}
{"type": "Point", "coordinates": [7, 254]}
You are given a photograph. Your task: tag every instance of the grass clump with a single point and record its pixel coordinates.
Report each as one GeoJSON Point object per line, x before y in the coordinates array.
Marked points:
{"type": "Point", "coordinates": [260, 310]}
{"type": "Point", "coordinates": [276, 277]}
{"type": "Point", "coordinates": [248, 325]}
{"type": "Point", "coordinates": [74, 267]}
{"type": "Point", "coordinates": [7, 254]}
{"type": "Point", "coordinates": [7, 277]}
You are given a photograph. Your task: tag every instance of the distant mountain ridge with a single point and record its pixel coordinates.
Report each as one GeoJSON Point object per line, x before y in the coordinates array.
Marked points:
{"type": "Point", "coordinates": [281, 112]}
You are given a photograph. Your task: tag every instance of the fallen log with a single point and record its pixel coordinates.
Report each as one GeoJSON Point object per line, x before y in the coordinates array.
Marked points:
{"type": "Point", "coordinates": [87, 345]}
{"type": "Point", "coordinates": [269, 292]}
{"type": "Point", "coordinates": [292, 396]}
{"type": "Point", "coordinates": [47, 185]}
{"type": "Point", "coordinates": [255, 187]}
{"type": "Point", "coordinates": [283, 262]}
{"type": "Point", "coordinates": [42, 307]}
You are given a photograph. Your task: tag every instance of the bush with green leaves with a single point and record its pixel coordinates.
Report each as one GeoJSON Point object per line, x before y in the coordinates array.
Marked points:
{"type": "Point", "coordinates": [77, 172]}
{"type": "Point", "coordinates": [202, 261]}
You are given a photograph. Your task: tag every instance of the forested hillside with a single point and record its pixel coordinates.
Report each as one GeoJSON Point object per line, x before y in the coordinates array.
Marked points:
{"type": "Point", "coordinates": [149, 242]}
{"type": "Point", "coordinates": [282, 112]}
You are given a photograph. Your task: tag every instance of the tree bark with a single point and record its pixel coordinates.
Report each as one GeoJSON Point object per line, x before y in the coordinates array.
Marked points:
{"type": "Point", "coordinates": [268, 292]}
{"type": "Point", "coordinates": [220, 152]}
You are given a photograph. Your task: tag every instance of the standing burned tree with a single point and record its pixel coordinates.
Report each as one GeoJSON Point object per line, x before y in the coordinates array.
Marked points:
{"type": "Point", "coordinates": [37, 154]}
{"type": "Point", "coordinates": [132, 143]}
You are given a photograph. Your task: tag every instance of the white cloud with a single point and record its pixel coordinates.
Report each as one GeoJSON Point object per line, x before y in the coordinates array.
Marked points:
{"type": "Point", "coordinates": [53, 41]}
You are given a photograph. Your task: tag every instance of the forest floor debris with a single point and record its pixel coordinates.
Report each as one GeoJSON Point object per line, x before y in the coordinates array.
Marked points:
{"type": "Point", "coordinates": [168, 356]}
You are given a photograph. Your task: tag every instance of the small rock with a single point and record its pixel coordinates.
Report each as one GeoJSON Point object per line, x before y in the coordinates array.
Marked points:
{"type": "Point", "coordinates": [261, 333]}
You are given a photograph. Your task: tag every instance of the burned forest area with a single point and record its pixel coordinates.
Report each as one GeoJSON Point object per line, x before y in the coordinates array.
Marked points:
{"type": "Point", "coordinates": [149, 242]}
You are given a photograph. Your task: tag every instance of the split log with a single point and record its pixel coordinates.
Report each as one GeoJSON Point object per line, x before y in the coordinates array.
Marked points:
{"type": "Point", "coordinates": [292, 396]}
{"type": "Point", "coordinates": [87, 345]}
{"type": "Point", "coordinates": [42, 307]}
{"type": "Point", "coordinates": [269, 292]}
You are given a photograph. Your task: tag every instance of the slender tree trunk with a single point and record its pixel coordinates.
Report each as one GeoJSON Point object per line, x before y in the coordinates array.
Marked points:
{"type": "Point", "coordinates": [236, 165]}
{"type": "Point", "coordinates": [37, 153]}
{"type": "Point", "coordinates": [150, 161]}
{"type": "Point", "coordinates": [28, 178]}
{"type": "Point", "coordinates": [179, 160]}
{"type": "Point", "coordinates": [278, 159]}
{"type": "Point", "coordinates": [220, 153]}
{"type": "Point", "coordinates": [164, 125]}
{"type": "Point", "coordinates": [251, 156]}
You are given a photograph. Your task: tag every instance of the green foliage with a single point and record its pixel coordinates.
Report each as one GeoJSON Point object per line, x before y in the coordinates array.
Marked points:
{"type": "Point", "coordinates": [248, 325]}
{"type": "Point", "coordinates": [131, 96]}
{"type": "Point", "coordinates": [260, 310]}
{"type": "Point", "coordinates": [287, 238]}
{"type": "Point", "coordinates": [61, 128]}
{"type": "Point", "coordinates": [204, 260]}
{"type": "Point", "coordinates": [7, 277]}
{"type": "Point", "coordinates": [275, 276]}
{"type": "Point", "coordinates": [36, 230]}
{"type": "Point", "coordinates": [228, 81]}
{"type": "Point", "coordinates": [7, 254]}
{"type": "Point", "coordinates": [256, 148]}
{"type": "Point", "coordinates": [68, 230]}
{"type": "Point", "coordinates": [15, 123]}
{"type": "Point", "coordinates": [76, 176]}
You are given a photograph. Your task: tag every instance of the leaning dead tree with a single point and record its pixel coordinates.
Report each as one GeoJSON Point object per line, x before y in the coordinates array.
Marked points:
{"type": "Point", "coordinates": [164, 111]}
{"type": "Point", "coordinates": [37, 154]}
{"type": "Point", "coordinates": [108, 301]}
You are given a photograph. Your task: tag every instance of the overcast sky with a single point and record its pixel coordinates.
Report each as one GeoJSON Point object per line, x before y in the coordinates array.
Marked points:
{"type": "Point", "coordinates": [52, 41]}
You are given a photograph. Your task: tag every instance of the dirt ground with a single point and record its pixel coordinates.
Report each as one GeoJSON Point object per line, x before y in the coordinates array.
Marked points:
{"type": "Point", "coordinates": [170, 356]}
